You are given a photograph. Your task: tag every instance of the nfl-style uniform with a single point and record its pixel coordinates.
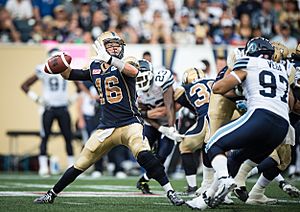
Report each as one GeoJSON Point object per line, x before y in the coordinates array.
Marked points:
{"type": "Point", "coordinates": [265, 125]}
{"type": "Point", "coordinates": [195, 96]}
{"type": "Point", "coordinates": [55, 96]}
{"type": "Point", "coordinates": [162, 80]}
{"type": "Point", "coordinates": [119, 122]}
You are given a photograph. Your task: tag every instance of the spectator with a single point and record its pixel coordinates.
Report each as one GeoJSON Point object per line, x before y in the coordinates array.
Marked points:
{"type": "Point", "coordinates": [291, 15]}
{"type": "Point", "coordinates": [207, 69]}
{"type": "Point", "coordinates": [48, 28]}
{"type": "Point", "coordinates": [8, 32]}
{"type": "Point", "coordinates": [227, 34]}
{"type": "Point", "coordinates": [127, 32]}
{"type": "Point", "coordinates": [147, 56]}
{"type": "Point", "coordinates": [248, 7]}
{"type": "Point", "coordinates": [265, 19]}
{"type": "Point", "coordinates": [140, 18]}
{"type": "Point", "coordinates": [85, 15]}
{"type": "Point", "coordinates": [37, 32]}
{"type": "Point", "coordinates": [61, 23]}
{"type": "Point", "coordinates": [42, 8]}
{"type": "Point", "coordinates": [183, 31]}
{"type": "Point", "coordinates": [99, 23]}
{"type": "Point", "coordinates": [285, 36]}
{"type": "Point", "coordinates": [160, 31]}
{"type": "Point", "coordinates": [114, 13]}
{"type": "Point", "coordinates": [244, 28]}
{"type": "Point", "coordinates": [19, 9]}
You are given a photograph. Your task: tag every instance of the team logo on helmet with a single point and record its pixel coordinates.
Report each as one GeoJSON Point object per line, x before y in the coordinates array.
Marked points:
{"type": "Point", "coordinates": [259, 46]}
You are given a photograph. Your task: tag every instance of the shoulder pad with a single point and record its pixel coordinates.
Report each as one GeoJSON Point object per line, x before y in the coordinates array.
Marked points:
{"type": "Point", "coordinates": [178, 92]}
{"type": "Point", "coordinates": [163, 78]}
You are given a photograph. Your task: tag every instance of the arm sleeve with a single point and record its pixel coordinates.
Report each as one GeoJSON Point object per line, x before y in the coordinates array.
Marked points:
{"type": "Point", "coordinates": [80, 74]}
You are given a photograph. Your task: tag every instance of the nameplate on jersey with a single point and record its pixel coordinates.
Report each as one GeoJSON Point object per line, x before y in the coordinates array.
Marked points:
{"type": "Point", "coordinates": [96, 71]}
{"type": "Point", "coordinates": [274, 65]}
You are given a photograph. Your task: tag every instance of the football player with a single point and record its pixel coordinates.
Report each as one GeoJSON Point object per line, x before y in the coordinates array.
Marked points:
{"type": "Point", "coordinates": [265, 85]}
{"type": "Point", "coordinates": [54, 101]}
{"type": "Point", "coordinates": [119, 123]}
{"type": "Point", "coordinates": [277, 162]}
{"type": "Point", "coordinates": [194, 94]}
{"type": "Point", "coordinates": [155, 89]}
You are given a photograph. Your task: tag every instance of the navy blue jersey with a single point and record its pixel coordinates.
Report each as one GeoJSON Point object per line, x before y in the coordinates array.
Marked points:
{"type": "Point", "coordinates": [117, 97]}
{"type": "Point", "coordinates": [196, 96]}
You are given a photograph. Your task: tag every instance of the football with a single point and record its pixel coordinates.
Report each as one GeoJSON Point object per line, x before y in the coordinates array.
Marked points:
{"type": "Point", "coordinates": [57, 63]}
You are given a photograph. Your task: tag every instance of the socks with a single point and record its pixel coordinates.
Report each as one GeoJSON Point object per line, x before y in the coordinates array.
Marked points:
{"type": "Point", "coordinates": [262, 181]}
{"type": "Point", "coordinates": [241, 176]}
{"type": "Point", "coordinates": [167, 187]}
{"type": "Point", "coordinates": [279, 178]}
{"type": "Point", "coordinates": [191, 180]}
{"type": "Point", "coordinates": [219, 163]}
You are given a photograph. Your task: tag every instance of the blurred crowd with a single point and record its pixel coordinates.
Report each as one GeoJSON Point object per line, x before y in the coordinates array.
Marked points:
{"type": "Point", "coordinates": [155, 22]}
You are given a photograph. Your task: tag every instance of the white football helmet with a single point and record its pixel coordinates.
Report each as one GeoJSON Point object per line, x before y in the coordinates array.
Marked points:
{"type": "Point", "coordinates": [145, 76]}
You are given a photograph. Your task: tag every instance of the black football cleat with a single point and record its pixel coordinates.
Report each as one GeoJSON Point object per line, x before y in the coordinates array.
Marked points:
{"type": "Point", "coordinates": [144, 187]}
{"type": "Point", "coordinates": [47, 198]}
{"type": "Point", "coordinates": [174, 198]}
{"type": "Point", "coordinates": [241, 193]}
{"type": "Point", "coordinates": [190, 191]}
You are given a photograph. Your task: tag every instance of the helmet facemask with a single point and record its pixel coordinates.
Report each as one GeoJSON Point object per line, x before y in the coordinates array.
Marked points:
{"type": "Point", "coordinates": [145, 76]}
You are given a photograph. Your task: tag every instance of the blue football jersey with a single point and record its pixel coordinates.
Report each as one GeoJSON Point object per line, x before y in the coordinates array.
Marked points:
{"type": "Point", "coordinates": [196, 96]}
{"type": "Point", "coordinates": [117, 97]}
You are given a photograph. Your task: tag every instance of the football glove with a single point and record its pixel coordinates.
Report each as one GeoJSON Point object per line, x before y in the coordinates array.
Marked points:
{"type": "Point", "coordinates": [101, 52]}
{"type": "Point", "coordinates": [171, 133]}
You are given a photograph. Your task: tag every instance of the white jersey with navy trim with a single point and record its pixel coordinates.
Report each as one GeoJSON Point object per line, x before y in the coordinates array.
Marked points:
{"type": "Point", "coordinates": [266, 85]}
{"type": "Point", "coordinates": [54, 87]}
{"type": "Point", "coordinates": [153, 98]}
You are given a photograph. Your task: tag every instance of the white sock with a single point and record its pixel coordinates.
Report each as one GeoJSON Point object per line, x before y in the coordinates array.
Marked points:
{"type": "Point", "coordinates": [43, 162]}
{"type": "Point", "coordinates": [279, 178]}
{"type": "Point", "coordinates": [208, 175]}
{"type": "Point", "coordinates": [241, 176]}
{"type": "Point", "coordinates": [292, 169]}
{"type": "Point", "coordinates": [191, 180]}
{"type": "Point", "coordinates": [168, 187]}
{"type": "Point", "coordinates": [262, 181]}
{"type": "Point", "coordinates": [219, 163]}
{"type": "Point", "coordinates": [146, 177]}
{"type": "Point", "coordinates": [214, 187]}
{"type": "Point", "coordinates": [70, 161]}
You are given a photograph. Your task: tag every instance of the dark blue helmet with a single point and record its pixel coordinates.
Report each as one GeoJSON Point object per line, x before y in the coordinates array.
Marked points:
{"type": "Point", "coordinates": [259, 46]}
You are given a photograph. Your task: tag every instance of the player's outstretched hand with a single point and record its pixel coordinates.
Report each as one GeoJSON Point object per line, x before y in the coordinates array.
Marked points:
{"type": "Point", "coordinates": [101, 52]}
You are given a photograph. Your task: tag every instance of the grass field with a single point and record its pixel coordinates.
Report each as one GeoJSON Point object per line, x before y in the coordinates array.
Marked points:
{"type": "Point", "coordinates": [17, 192]}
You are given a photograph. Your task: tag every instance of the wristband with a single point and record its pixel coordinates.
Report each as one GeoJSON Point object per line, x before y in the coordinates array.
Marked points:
{"type": "Point", "coordinates": [32, 95]}
{"type": "Point", "coordinates": [144, 113]}
{"type": "Point", "coordinates": [119, 64]}
{"type": "Point", "coordinates": [236, 76]}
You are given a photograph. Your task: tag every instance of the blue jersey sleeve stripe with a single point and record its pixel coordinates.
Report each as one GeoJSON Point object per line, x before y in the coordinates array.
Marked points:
{"type": "Point", "coordinates": [166, 86]}
{"type": "Point", "coordinates": [171, 80]}
{"type": "Point", "coordinates": [239, 67]}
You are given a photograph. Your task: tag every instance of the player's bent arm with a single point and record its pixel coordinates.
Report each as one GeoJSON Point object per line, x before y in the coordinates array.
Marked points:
{"type": "Point", "coordinates": [76, 74]}
{"type": "Point", "coordinates": [26, 85]}
{"type": "Point", "coordinates": [229, 82]}
{"type": "Point", "coordinates": [130, 70]}
{"type": "Point", "coordinates": [157, 113]}
{"type": "Point", "coordinates": [169, 103]}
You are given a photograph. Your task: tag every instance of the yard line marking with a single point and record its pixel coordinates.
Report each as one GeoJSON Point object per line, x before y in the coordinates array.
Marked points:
{"type": "Point", "coordinates": [81, 194]}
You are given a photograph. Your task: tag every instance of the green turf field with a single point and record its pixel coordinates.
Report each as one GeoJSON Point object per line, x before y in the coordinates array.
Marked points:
{"type": "Point", "coordinates": [17, 192]}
